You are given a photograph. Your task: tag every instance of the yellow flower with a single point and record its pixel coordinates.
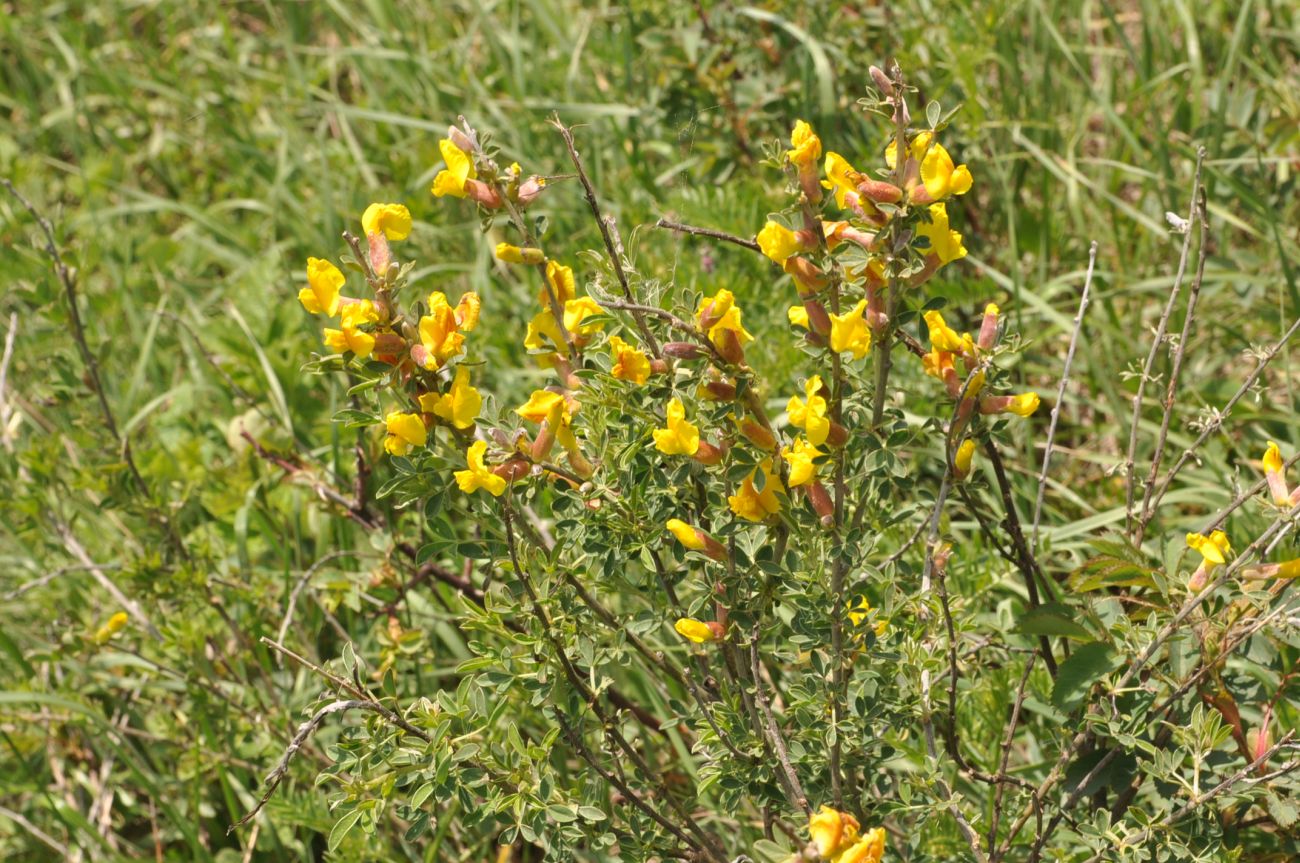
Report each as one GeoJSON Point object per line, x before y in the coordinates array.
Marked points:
{"type": "Point", "coordinates": [778, 242]}
{"type": "Point", "coordinates": [561, 281]}
{"type": "Point", "coordinates": [915, 150]}
{"type": "Point", "coordinates": [323, 283]}
{"type": "Point", "coordinates": [685, 534]}
{"type": "Point", "coordinates": [1212, 547]}
{"type": "Point", "coordinates": [630, 364]}
{"type": "Point", "coordinates": [810, 415]}
{"type": "Point", "coordinates": [753, 505]}
{"type": "Point", "coordinates": [680, 437]}
{"type": "Point", "coordinates": [942, 336]}
{"type": "Point", "coordinates": [840, 177]}
{"type": "Point", "coordinates": [961, 460]}
{"type": "Point", "coordinates": [1272, 458]}
{"type": "Point", "coordinates": [111, 627]}
{"type": "Point", "coordinates": [1023, 405]}
{"type": "Point", "coordinates": [460, 167]}
{"type": "Point", "coordinates": [861, 611]}
{"type": "Point", "coordinates": [800, 458]}
{"type": "Point", "coordinates": [849, 332]}
{"type": "Point", "coordinates": [459, 405]}
{"type": "Point", "coordinates": [359, 342]}
{"type": "Point", "coordinates": [439, 332]}
{"type": "Point", "coordinates": [940, 177]}
{"type": "Point", "coordinates": [832, 831]}
{"type": "Point", "coordinates": [478, 476]}
{"type": "Point", "coordinates": [575, 312]}
{"type": "Point", "coordinates": [467, 310]}
{"type": "Point", "coordinates": [697, 630]}
{"type": "Point", "coordinates": [405, 432]}
{"type": "Point", "coordinates": [723, 314]}
{"type": "Point", "coordinates": [517, 255]}
{"type": "Point", "coordinates": [944, 242]}
{"type": "Point", "coordinates": [869, 849]}
{"type": "Point", "coordinates": [798, 316]}
{"type": "Point", "coordinates": [393, 220]}
{"type": "Point", "coordinates": [542, 405]}
{"type": "Point", "coordinates": [805, 146]}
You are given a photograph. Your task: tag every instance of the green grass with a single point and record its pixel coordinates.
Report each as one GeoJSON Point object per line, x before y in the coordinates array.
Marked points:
{"type": "Point", "coordinates": [192, 155]}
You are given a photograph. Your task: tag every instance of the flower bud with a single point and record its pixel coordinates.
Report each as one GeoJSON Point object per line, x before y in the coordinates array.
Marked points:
{"type": "Point", "coordinates": [530, 190]}
{"type": "Point", "coordinates": [683, 350]}
{"type": "Point", "coordinates": [581, 466]}
{"type": "Point", "coordinates": [465, 141]}
{"type": "Point", "coordinates": [880, 192]}
{"type": "Point", "coordinates": [989, 327]}
{"type": "Point", "coordinates": [697, 540]}
{"type": "Point", "coordinates": [520, 255]}
{"type": "Point", "coordinates": [819, 321]}
{"type": "Point", "coordinates": [543, 443]}
{"type": "Point", "coordinates": [728, 345]}
{"type": "Point", "coordinates": [838, 435]}
{"type": "Point", "coordinates": [699, 631]}
{"type": "Point", "coordinates": [808, 278]}
{"type": "Point", "coordinates": [483, 194]}
{"type": "Point", "coordinates": [380, 253]}
{"type": "Point", "coordinates": [659, 366]}
{"type": "Point", "coordinates": [961, 460]}
{"type": "Point", "coordinates": [881, 80]}
{"type": "Point", "coordinates": [709, 454]}
{"type": "Point", "coordinates": [512, 470]}
{"type": "Point", "coordinates": [821, 502]}
{"type": "Point", "coordinates": [757, 434]}
{"type": "Point", "coordinates": [718, 391]}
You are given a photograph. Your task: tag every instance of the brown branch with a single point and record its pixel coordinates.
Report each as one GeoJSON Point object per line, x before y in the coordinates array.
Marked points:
{"type": "Point", "coordinates": [712, 233]}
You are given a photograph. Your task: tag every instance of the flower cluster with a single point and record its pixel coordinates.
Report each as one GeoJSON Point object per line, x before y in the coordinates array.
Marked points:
{"type": "Point", "coordinates": [836, 838]}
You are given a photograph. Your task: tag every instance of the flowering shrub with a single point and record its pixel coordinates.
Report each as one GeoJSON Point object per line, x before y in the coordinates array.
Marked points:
{"type": "Point", "coordinates": [715, 614]}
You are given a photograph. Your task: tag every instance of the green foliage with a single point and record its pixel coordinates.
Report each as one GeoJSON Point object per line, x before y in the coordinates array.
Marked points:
{"type": "Point", "coordinates": [191, 156]}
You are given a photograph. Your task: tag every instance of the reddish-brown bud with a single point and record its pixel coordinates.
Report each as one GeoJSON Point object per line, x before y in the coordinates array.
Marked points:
{"type": "Point", "coordinates": [757, 434]}
{"type": "Point", "coordinates": [683, 350]}
{"type": "Point", "coordinates": [821, 502]}
{"type": "Point", "coordinates": [543, 443]}
{"type": "Point", "coordinates": [530, 190]}
{"type": "Point", "coordinates": [380, 254]}
{"type": "Point", "coordinates": [819, 321]}
{"type": "Point", "coordinates": [728, 345]}
{"type": "Point", "coordinates": [879, 191]}
{"type": "Point", "coordinates": [720, 391]}
{"type": "Point", "coordinates": [482, 193]}
{"type": "Point", "coordinates": [838, 436]}
{"type": "Point", "coordinates": [808, 278]}
{"type": "Point", "coordinates": [709, 454]}
{"type": "Point", "coordinates": [659, 366]}
{"type": "Point", "coordinates": [512, 470]}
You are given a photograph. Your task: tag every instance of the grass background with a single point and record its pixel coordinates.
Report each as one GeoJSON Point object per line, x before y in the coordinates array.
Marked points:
{"type": "Point", "coordinates": [192, 155]}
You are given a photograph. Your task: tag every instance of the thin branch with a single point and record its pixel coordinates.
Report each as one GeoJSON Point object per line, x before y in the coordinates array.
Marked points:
{"type": "Point", "coordinates": [1155, 347]}
{"type": "Point", "coordinates": [927, 725]}
{"type": "Point", "coordinates": [773, 730]}
{"type": "Point", "coordinates": [1060, 393]}
{"type": "Point", "coordinates": [712, 233]}
{"type": "Point", "coordinates": [301, 583]}
{"type": "Point", "coordinates": [1007, 740]}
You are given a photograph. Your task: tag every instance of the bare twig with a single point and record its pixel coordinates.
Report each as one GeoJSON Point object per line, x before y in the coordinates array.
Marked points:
{"type": "Point", "coordinates": [1060, 393]}
{"type": "Point", "coordinates": [1007, 740]}
{"type": "Point", "coordinates": [608, 232]}
{"type": "Point", "coordinates": [1180, 350]}
{"type": "Point", "coordinates": [927, 725]}
{"type": "Point", "coordinates": [301, 583]}
{"type": "Point", "coordinates": [800, 799]}
{"type": "Point", "coordinates": [1155, 347]}
{"type": "Point", "coordinates": [712, 233]}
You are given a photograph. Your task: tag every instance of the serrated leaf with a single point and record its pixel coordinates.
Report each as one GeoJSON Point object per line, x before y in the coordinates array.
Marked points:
{"type": "Point", "coordinates": [1088, 664]}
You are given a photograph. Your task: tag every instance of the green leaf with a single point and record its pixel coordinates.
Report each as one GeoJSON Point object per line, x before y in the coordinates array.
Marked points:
{"type": "Point", "coordinates": [591, 813]}
{"type": "Point", "coordinates": [1053, 618]}
{"type": "Point", "coordinates": [561, 813]}
{"type": "Point", "coordinates": [769, 850]}
{"type": "Point", "coordinates": [1088, 664]}
{"type": "Point", "coordinates": [342, 827]}
{"type": "Point", "coordinates": [1108, 571]}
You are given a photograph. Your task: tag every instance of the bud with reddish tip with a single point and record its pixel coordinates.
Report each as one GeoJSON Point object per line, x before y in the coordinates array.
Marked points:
{"type": "Point", "coordinates": [719, 391]}
{"type": "Point", "coordinates": [808, 278]}
{"type": "Point", "coordinates": [819, 321]}
{"type": "Point", "coordinates": [380, 254]}
{"type": "Point", "coordinates": [728, 344]}
{"type": "Point", "coordinates": [683, 350]}
{"type": "Point", "coordinates": [881, 80]}
{"type": "Point", "coordinates": [512, 470]}
{"type": "Point", "coordinates": [989, 327]}
{"type": "Point", "coordinates": [709, 454]}
{"type": "Point", "coordinates": [530, 190]}
{"type": "Point", "coordinates": [482, 193]}
{"type": "Point", "coordinates": [821, 502]}
{"type": "Point", "coordinates": [880, 192]}
{"type": "Point", "coordinates": [697, 540]}
{"type": "Point", "coordinates": [465, 141]}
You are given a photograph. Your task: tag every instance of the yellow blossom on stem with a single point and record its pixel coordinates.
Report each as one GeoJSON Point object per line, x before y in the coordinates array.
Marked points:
{"type": "Point", "coordinates": [842, 179]}
{"type": "Point", "coordinates": [945, 243]}
{"type": "Point", "coordinates": [1023, 405]}
{"type": "Point", "coordinates": [778, 242]}
{"type": "Point", "coordinates": [860, 612]}
{"type": "Point", "coordinates": [111, 627]}
{"type": "Point", "coordinates": [630, 364]}
{"type": "Point", "coordinates": [459, 405]}
{"type": "Point", "coordinates": [811, 415]}
{"type": "Point", "coordinates": [519, 255]}
{"type": "Point", "coordinates": [915, 150]}
{"type": "Point", "coordinates": [324, 280]}
{"type": "Point", "coordinates": [869, 849]}
{"type": "Point", "coordinates": [942, 336]}
{"type": "Point", "coordinates": [849, 332]}
{"type": "Point", "coordinates": [478, 476]}
{"type": "Point", "coordinates": [351, 339]}
{"type": "Point", "coordinates": [405, 432]}
{"type": "Point", "coordinates": [801, 457]}
{"type": "Point", "coordinates": [439, 332]}
{"type": "Point", "coordinates": [460, 168]}
{"type": "Point", "coordinates": [560, 278]}
{"type": "Point", "coordinates": [696, 539]}
{"type": "Point", "coordinates": [832, 831]}
{"type": "Point", "coordinates": [698, 631]}
{"type": "Point", "coordinates": [798, 316]}
{"type": "Point", "coordinates": [1274, 473]}
{"type": "Point", "coordinates": [719, 314]}
{"type": "Point", "coordinates": [1212, 548]}
{"type": "Point", "coordinates": [753, 505]}
{"type": "Point", "coordinates": [392, 220]}
{"type": "Point", "coordinates": [679, 437]}
{"type": "Point", "coordinates": [805, 146]}
{"type": "Point", "coordinates": [941, 177]}
{"type": "Point", "coordinates": [961, 460]}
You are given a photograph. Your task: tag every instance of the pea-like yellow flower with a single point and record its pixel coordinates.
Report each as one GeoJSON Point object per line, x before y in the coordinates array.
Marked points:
{"type": "Point", "coordinates": [811, 415]}
{"type": "Point", "coordinates": [478, 476]}
{"type": "Point", "coordinates": [1212, 548]}
{"type": "Point", "coordinates": [841, 178]}
{"type": "Point", "coordinates": [941, 177]}
{"type": "Point", "coordinates": [869, 849]}
{"type": "Point", "coordinates": [392, 220]}
{"type": "Point", "coordinates": [1023, 405]}
{"type": "Point", "coordinates": [543, 405]}
{"type": "Point", "coordinates": [560, 278]}
{"type": "Point", "coordinates": [459, 405]}
{"type": "Point", "coordinates": [801, 458]}
{"type": "Point", "coordinates": [915, 150]}
{"type": "Point", "coordinates": [1275, 474]}
{"type": "Point", "coordinates": [111, 627]}
{"type": "Point", "coordinates": [753, 505]}
{"type": "Point", "coordinates": [778, 242]}
{"type": "Point", "coordinates": [945, 243]}
{"type": "Point", "coordinates": [696, 539]}
{"type": "Point", "coordinates": [557, 411]}
{"type": "Point", "coordinates": [679, 436]}
{"type": "Point", "coordinates": [543, 325]}
{"type": "Point", "coordinates": [961, 460]}
{"type": "Point", "coordinates": [351, 339]}
{"type": "Point", "coordinates": [519, 255]}
{"type": "Point", "coordinates": [720, 313]}
{"type": "Point", "coordinates": [798, 316]}
{"type": "Point", "coordinates": [850, 332]}
{"type": "Point", "coordinates": [460, 168]}
{"type": "Point", "coordinates": [698, 631]}
{"type": "Point", "coordinates": [942, 336]}
{"type": "Point", "coordinates": [439, 332]}
{"type": "Point", "coordinates": [324, 280]}
{"type": "Point", "coordinates": [805, 146]}
{"type": "Point", "coordinates": [860, 612]}
{"type": "Point", "coordinates": [630, 364]}
{"type": "Point", "coordinates": [832, 831]}
{"type": "Point", "coordinates": [405, 432]}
